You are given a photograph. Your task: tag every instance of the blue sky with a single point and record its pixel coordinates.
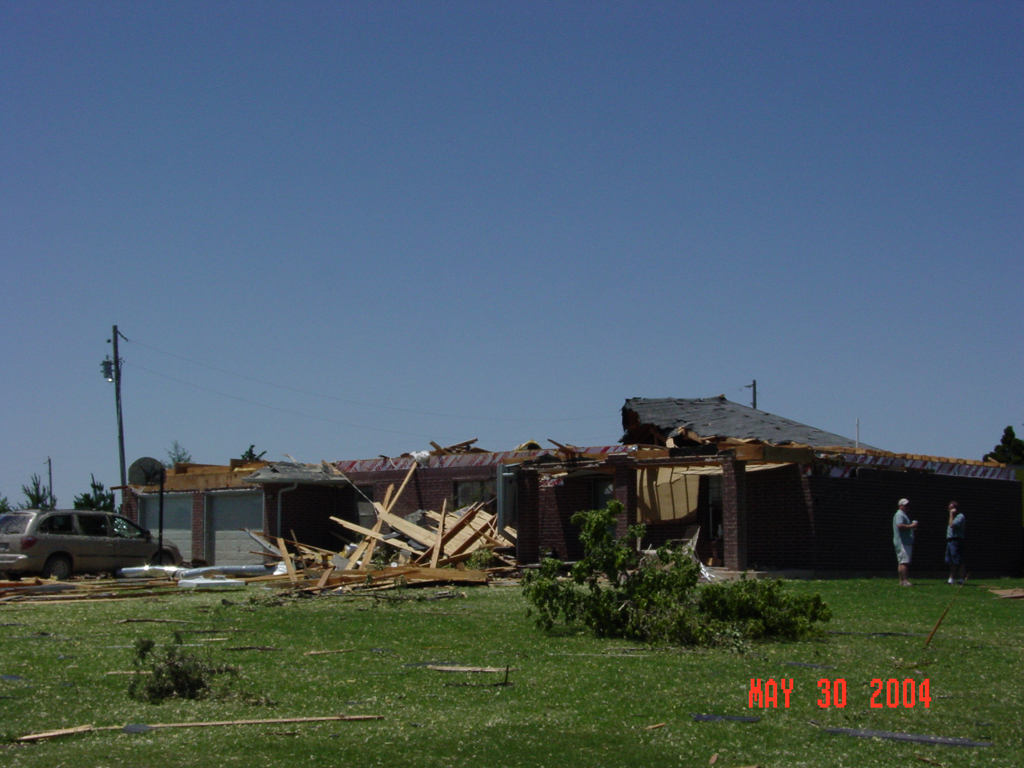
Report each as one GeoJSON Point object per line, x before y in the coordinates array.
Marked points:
{"type": "Point", "coordinates": [338, 230]}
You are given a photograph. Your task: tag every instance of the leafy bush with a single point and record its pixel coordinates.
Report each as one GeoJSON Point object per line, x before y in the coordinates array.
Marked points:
{"type": "Point", "coordinates": [762, 608]}
{"type": "Point", "coordinates": [172, 674]}
{"type": "Point", "coordinates": [616, 592]}
{"type": "Point", "coordinates": [482, 558]}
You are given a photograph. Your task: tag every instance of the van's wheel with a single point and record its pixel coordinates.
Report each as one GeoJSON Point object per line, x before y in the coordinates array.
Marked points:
{"type": "Point", "coordinates": [57, 567]}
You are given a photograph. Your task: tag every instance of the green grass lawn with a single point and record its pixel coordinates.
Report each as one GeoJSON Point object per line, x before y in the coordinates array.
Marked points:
{"type": "Point", "coordinates": [574, 700]}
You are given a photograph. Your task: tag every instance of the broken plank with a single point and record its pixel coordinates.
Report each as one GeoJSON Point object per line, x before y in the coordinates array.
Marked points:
{"type": "Point", "coordinates": [287, 560]}
{"type": "Point", "coordinates": [438, 549]}
{"type": "Point", "coordinates": [324, 577]}
{"type": "Point", "coordinates": [458, 526]}
{"type": "Point", "coordinates": [274, 721]}
{"type": "Point", "coordinates": [403, 526]}
{"type": "Point", "coordinates": [374, 534]}
{"type": "Point", "coordinates": [55, 734]}
{"type": "Point", "coordinates": [368, 545]}
{"type": "Point", "coordinates": [405, 482]}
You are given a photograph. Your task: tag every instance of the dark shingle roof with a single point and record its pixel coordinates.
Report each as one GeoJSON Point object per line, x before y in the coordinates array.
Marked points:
{"type": "Point", "coordinates": [716, 417]}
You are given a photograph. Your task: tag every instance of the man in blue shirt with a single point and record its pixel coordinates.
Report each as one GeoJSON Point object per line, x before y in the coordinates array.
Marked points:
{"type": "Point", "coordinates": [903, 539]}
{"type": "Point", "coordinates": [955, 544]}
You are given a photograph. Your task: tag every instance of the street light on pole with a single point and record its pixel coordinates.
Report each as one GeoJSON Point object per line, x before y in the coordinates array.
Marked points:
{"type": "Point", "coordinates": [112, 373]}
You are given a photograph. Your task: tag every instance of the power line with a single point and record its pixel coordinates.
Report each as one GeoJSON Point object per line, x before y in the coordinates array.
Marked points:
{"type": "Point", "coordinates": [287, 410]}
{"type": "Point", "coordinates": [350, 402]}
{"type": "Point", "coordinates": [274, 407]}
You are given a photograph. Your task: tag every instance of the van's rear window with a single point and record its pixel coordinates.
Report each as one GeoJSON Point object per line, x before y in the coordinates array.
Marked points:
{"type": "Point", "coordinates": [12, 523]}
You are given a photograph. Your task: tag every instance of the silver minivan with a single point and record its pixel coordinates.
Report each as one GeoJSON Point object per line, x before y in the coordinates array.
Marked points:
{"type": "Point", "coordinates": [60, 542]}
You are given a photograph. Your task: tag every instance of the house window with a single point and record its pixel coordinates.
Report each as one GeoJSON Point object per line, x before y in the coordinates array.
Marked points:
{"type": "Point", "coordinates": [602, 490]}
{"type": "Point", "coordinates": [364, 506]}
{"type": "Point", "coordinates": [472, 491]}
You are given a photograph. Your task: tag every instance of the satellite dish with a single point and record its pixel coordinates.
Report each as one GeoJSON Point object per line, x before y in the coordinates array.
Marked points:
{"type": "Point", "coordinates": [145, 471]}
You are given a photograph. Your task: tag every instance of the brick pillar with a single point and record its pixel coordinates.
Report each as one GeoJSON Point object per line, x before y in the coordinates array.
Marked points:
{"type": "Point", "coordinates": [625, 493]}
{"type": "Point", "coordinates": [734, 514]}
{"type": "Point", "coordinates": [199, 532]}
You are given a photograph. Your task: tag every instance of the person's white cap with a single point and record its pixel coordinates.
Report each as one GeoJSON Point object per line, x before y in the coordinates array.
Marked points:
{"type": "Point", "coordinates": [904, 502]}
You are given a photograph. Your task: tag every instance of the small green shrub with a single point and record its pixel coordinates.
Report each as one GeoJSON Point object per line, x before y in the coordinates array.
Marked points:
{"type": "Point", "coordinates": [482, 558]}
{"type": "Point", "coordinates": [616, 593]}
{"type": "Point", "coordinates": [762, 608]}
{"type": "Point", "coordinates": [171, 674]}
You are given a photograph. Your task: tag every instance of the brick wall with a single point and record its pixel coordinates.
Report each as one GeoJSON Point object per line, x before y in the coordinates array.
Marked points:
{"type": "Point", "coordinates": [854, 521]}
{"type": "Point", "coordinates": [734, 514]}
{"type": "Point", "coordinates": [780, 524]}
{"type": "Point", "coordinates": [428, 488]}
{"type": "Point", "coordinates": [556, 507]}
{"type": "Point", "coordinates": [625, 494]}
{"type": "Point", "coordinates": [129, 506]}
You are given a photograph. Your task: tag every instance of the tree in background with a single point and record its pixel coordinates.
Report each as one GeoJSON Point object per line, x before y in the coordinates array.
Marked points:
{"type": "Point", "coordinates": [251, 455]}
{"type": "Point", "coordinates": [1009, 451]}
{"type": "Point", "coordinates": [177, 455]}
{"type": "Point", "coordinates": [37, 495]}
{"type": "Point", "coordinates": [97, 498]}
{"type": "Point", "coordinates": [5, 505]}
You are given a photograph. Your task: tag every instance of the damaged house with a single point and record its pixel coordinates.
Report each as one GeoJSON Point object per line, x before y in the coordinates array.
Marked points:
{"type": "Point", "coordinates": [773, 493]}
{"type": "Point", "coordinates": [748, 488]}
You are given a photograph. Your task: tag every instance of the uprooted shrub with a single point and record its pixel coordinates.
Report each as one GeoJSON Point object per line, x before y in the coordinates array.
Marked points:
{"type": "Point", "coordinates": [172, 673]}
{"type": "Point", "coordinates": [616, 592]}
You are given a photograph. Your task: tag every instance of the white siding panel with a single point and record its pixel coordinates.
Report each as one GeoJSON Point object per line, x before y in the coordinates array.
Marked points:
{"type": "Point", "coordinates": [226, 515]}
{"type": "Point", "coordinates": [177, 519]}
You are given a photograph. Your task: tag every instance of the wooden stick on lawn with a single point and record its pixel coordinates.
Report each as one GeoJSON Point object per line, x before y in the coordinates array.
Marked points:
{"type": "Point", "coordinates": [932, 634]}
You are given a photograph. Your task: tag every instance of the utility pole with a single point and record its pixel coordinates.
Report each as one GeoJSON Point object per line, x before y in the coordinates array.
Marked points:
{"type": "Point", "coordinates": [112, 372]}
{"type": "Point", "coordinates": [49, 464]}
{"type": "Point", "coordinates": [753, 386]}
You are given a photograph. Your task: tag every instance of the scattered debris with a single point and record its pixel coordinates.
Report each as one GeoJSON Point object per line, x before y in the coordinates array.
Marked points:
{"type": "Point", "coordinates": [937, 623]}
{"type": "Point", "coordinates": [434, 551]}
{"type": "Point", "coordinates": [1008, 594]}
{"type": "Point", "coordinates": [323, 653]}
{"type": "Point", "coordinates": [142, 728]}
{"type": "Point", "coordinates": [719, 718]}
{"type": "Point", "coordinates": [950, 741]}
{"type": "Point", "coordinates": [215, 582]}
{"type": "Point", "coordinates": [151, 621]}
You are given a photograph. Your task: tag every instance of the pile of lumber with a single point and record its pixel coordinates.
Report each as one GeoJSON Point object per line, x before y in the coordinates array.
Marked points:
{"type": "Point", "coordinates": [432, 552]}
{"type": "Point", "coordinates": [449, 539]}
{"type": "Point", "coordinates": [35, 590]}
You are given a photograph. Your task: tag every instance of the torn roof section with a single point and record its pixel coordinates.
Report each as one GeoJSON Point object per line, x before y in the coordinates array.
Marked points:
{"type": "Point", "coordinates": [679, 422]}
{"type": "Point", "coordinates": [293, 472]}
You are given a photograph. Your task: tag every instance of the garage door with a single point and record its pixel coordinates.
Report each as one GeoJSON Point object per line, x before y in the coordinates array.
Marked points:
{"type": "Point", "coordinates": [226, 515]}
{"type": "Point", "coordinates": [177, 519]}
